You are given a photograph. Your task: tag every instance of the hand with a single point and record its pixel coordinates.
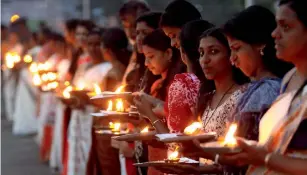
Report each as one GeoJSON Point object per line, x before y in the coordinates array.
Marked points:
{"type": "Point", "coordinates": [251, 153]}
{"type": "Point", "coordinates": [126, 150]}
{"type": "Point", "coordinates": [144, 106]}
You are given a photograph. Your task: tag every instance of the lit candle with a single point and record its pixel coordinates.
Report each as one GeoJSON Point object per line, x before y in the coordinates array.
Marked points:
{"type": "Point", "coordinates": [115, 126]}
{"type": "Point", "coordinates": [33, 67]}
{"type": "Point", "coordinates": [145, 130]}
{"type": "Point", "coordinates": [230, 140]}
{"type": "Point", "coordinates": [80, 86]}
{"type": "Point", "coordinates": [66, 92]}
{"type": "Point", "coordinates": [193, 128]}
{"type": "Point", "coordinates": [27, 58]}
{"type": "Point", "coordinates": [37, 80]}
{"type": "Point", "coordinates": [120, 88]}
{"type": "Point", "coordinates": [119, 105]}
{"type": "Point", "coordinates": [97, 89]}
{"type": "Point", "coordinates": [110, 105]}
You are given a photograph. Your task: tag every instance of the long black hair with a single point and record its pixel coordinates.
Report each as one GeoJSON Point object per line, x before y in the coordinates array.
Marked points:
{"type": "Point", "coordinates": [158, 40]}
{"type": "Point", "coordinates": [116, 40]}
{"type": "Point", "coordinates": [208, 86]}
{"type": "Point", "coordinates": [145, 77]}
{"type": "Point", "coordinates": [189, 41]}
{"type": "Point", "coordinates": [178, 13]}
{"type": "Point", "coordinates": [255, 25]}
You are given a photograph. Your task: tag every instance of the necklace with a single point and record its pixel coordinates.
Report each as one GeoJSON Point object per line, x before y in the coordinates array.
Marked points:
{"type": "Point", "coordinates": [209, 118]}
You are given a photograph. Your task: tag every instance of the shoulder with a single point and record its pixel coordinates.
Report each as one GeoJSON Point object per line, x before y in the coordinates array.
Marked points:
{"type": "Point", "coordinates": [261, 94]}
{"type": "Point", "coordinates": [287, 79]}
{"type": "Point", "coordinates": [186, 78]}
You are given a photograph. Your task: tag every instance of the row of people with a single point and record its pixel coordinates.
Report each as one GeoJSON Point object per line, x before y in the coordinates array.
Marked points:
{"type": "Point", "coordinates": [183, 69]}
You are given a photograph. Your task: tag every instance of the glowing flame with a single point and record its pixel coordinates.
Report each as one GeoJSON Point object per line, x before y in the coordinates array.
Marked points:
{"type": "Point", "coordinates": [66, 92]}
{"type": "Point", "coordinates": [66, 83]}
{"type": "Point", "coordinates": [114, 126]}
{"type": "Point", "coordinates": [80, 86]}
{"type": "Point", "coordinates": [229, 138]}
{"type": "Point", "coordinates": [37, 80]}
{"type": "Point", "coordinates": [120, 88]}
{"type": "Point", "coordinates": [174, 155]}
{"type": "Point", "coordinates": [53, 85]}
{"type": "Point", "coordinates": [45, 77]}
{"type": "Point", "coordinates": [97, 89]}
{"type": "Point", "coordinates": [119, 105]}
{"type": "Point", "coordinates": [33, 67]}
{"type": "Point", "coordinates": [14, 17]}
{"type": "Point", "coordinates": [145, 130]}
{"type": "Point", "coordinates": [110, 105]}
{"type": "Point", "coordinates": [192, 128]}
{"type": "Point", "coordinates": [51, 76]}
{"type": "Point", "coordinates": [44, 66]}
{"type": "Point", "coordinates": [11, 58]}
{"type": "Point", "coordinates": [27, 59]}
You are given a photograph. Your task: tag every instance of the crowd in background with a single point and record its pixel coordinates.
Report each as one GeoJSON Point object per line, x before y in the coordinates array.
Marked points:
{"type": "Point", "coordinates": [181, 68]}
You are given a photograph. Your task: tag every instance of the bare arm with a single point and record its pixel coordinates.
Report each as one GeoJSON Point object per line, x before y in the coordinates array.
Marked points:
{"type": "Point", "coordinates": [289, 165]}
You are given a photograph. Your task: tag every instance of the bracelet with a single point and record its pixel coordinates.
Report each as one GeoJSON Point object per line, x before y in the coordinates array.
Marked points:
{"type": "Point", "coordinates": [153, 123]}
{"type": "Point", "coordinates": [216, 159]}
{"type": "Point", "coordinates": [267, 159]}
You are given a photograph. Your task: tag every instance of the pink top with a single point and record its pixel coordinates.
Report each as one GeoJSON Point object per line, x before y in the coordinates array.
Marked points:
{"type": "Point", "coordinates": [181, 101]}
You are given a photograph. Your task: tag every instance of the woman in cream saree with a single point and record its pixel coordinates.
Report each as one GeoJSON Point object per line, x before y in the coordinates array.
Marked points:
{"type": "Point", "coordinates": [282, 146]}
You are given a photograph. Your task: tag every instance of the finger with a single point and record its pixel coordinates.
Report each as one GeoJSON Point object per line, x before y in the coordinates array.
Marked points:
{"type": "Point", "coordinates": [196, 143]}
{"type": "Point", "coordinates": [136, 93]}
{"type": "Point", "coordinates": [243, 144]}
{"type": "Point", "coordinates": [137, 103]}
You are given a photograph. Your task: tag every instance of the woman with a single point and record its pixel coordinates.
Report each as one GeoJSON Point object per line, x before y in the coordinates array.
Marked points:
{"type": "Point", "coordinates": [25, 119]}
{"type": "Point", "coordinates": [176, 14]}
{"type": "Point", "coordinates": [182, 93]}
{"type": "Point", "coordinates": [159, 57]}
{"type": "Point", "coordinates": [115, 50]}
{"type": "Point", "coordinates": [80, 58]}
{"type": "Point", "coordinates": [217, 103]}
{"type": "Point", "coordinates": [282, 145]}
{"type": "Point", "coordinates": [139, 75]}
{"type": "Point", "coordinates": [80, 136]}
{"type": "Point", "coordinates": [252, 50]}
{"type": "Point", "coordinates": [103, 157]}
{"type": "Point", "coordinates": [11, 76]}
{"type": "Point", "coordinates": [141, 78]}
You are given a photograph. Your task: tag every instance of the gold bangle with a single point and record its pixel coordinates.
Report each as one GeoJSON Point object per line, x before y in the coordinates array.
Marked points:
{"type": "Point", "coordinates": [267, 159]}
{"type": "Point", "coordinates": [153, 123]}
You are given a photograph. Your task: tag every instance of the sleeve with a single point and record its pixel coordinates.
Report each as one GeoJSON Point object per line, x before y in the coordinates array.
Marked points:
{"type": "Point", "coordinates": [254, 103]}
{"type": "Point", "coordinates": [182, 95]}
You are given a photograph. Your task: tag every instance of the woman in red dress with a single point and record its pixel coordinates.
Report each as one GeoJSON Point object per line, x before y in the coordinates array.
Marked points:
{"type": "Point", "coordinates": [161, 59]}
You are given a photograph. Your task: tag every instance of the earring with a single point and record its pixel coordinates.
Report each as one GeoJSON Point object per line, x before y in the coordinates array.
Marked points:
{"type": "Point", "coordinates": [261, 52]}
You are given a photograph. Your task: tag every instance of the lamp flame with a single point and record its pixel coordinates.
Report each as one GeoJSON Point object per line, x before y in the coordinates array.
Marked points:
{"type": "Point", "coordinates": [114, 126]}
{"type": "Point", "coordinates": [110, 105]}
{"type": "Point", "coordinates": [145, 130]}
{"type": "Point", "coordinates": [97, 89]}
{"type": "Point", "coordinates": [191, 129]}
{"type": "Point", "coordinates": [80, 86]}
{"type": "Point", "coordinates": [119, 105]}
{"type": "Point", "coordinates": [27, 58]}
{"type": "Point", "coordinates": [174, 155]}
{"type": "Point", "coordinates": [120, 89]}
{"type": "Point", "coordinates": [33, 67]}
{"type": "Point", "coordinates": [66, 83]}
{"type": "Point", "coordinates": [14, 18]}
{"type": "Point", "coordinates": [37, 80]}
{"type": "Point", "coordinates": [66, 92]}
{"type": "Point", "coordinates": [229, 138]}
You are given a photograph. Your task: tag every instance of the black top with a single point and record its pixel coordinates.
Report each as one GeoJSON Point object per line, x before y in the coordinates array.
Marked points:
{"type": "Point", "coordinates": [299, 140]}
